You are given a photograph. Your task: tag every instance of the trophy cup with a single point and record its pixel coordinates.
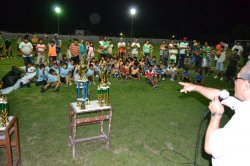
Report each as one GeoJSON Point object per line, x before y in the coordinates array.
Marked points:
{"type": "Point", "coordinates": [3, 111]}
{"type": "Point", "coordinates": [103, 88]}
{"type": "Point", "coordinates": [82, 85]}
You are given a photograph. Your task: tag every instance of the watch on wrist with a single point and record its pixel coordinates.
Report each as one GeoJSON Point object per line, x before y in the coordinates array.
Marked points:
{"type": "Point", "coordinates": [215, 114]}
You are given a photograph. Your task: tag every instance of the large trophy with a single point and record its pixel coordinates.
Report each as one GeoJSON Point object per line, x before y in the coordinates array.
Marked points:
{"type": "Point", "coordinates": [82, 86]}
{"type": "Point", "coordinates": [103, 88]}
{"type": "Point", "coordinates": [3, 111]}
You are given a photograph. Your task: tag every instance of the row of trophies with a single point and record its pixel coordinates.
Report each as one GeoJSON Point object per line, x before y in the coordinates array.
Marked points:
{"type": "Point", "coordinates": [82, 87]}
{"type": "Point", "coordinates": [3, 111]}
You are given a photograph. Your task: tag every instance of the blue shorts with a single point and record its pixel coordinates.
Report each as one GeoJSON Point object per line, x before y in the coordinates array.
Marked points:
{"type": "Point", "coordinates": [219, 66]}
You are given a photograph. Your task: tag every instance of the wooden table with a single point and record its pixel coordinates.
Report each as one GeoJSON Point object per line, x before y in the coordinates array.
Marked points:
{"type": "Point", "coordinates": [5, 141]}
{"type": "Point", "coordinates": [105, 113]}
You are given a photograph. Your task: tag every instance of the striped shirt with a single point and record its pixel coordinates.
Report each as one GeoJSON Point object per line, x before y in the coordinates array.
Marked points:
{"type": "Point", "coordinates": [74, 49]}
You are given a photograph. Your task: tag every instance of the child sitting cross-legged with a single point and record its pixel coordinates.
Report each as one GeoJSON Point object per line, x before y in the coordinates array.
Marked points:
{"type": "Point", "coordinates": [186, 77]}
{"type": "Point", "coordinates": [41, 75]}
{"type": "Point", "coordinates": [135, 72]}
{"type": "Point", "coordinates": [199, 79]}
{"type": "Point", "coordinates": [53, 81]}
{"type": "Point", "coordinates": [151, 77]}
{"type": "Point", "coordinates": [64, 73]}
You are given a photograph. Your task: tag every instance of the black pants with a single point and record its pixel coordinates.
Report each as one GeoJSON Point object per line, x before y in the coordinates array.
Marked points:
{"type": "Point", "coordinates": [41, 83]}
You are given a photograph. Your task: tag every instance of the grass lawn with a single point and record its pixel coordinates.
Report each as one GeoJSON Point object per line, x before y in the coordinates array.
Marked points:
{"type": "Point", "coordinates": [146, 123]}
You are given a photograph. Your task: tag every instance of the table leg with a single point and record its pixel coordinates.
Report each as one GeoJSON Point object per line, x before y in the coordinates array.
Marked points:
{"type": "Point", "coordinates": [70, 121]}
{"type": "Point", "coordinates": [8, 148]}
{"type": "Point", "coordinates": [74, 137]}
{"type": "Point", "coordinates": [109, 128]}
{"type": "Point", "coordinates": [17, 144]}
{"type": "Point", "coordinates": [101, 123]}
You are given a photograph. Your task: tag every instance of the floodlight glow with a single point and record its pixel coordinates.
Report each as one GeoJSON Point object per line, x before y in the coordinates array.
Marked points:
{"type": "Point", "coordinates": [132, 11]}
{"type": "Point", "coordinates": [57, 10]}
{"type": "Point", "coordinates": [173, 36]}
{"type": "Point", "coordinates": [121, 34]}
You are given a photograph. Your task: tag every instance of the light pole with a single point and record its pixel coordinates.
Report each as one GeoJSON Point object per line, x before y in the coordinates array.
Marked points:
{"type": "Point", "coordinates": [132, 12]}
{"type": "Point", "coordinates": [58, 11]}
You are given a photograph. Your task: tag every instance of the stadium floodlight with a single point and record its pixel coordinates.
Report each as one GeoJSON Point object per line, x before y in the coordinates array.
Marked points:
{"type": "Point", "coordinates": [132, 12]}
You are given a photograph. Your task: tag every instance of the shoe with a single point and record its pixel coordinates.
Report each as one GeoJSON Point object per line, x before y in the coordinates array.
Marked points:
{"type": "Point", "coordinates": [70, 84]}
{"type": "Point", "coordinates": [221, 78]}
{"type": "Point", "coordinates": [94, 83]}
{"type": "Point", "coordinates": [42, 90]}
{"type": "Point", "coordinates": [171, 79]}
{"type": "Point", "coordinates": [56, 90]}
{"type": "Point", "coordinates": [163, 79]}
{"type": "Point", "coordinates": [216, 76]}
{"type": "Point", "coordinates": [21, 85]}
{"type": "Point", "coordinates": [28, 85]}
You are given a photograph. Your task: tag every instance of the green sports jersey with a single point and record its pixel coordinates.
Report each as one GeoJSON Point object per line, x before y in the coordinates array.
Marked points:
{"type": "Point", "coordinates": [105, 44]}
{"type": "Point", "coordinates": [206, 50]}
{"type": "Point", "coordinates": [1, 42]}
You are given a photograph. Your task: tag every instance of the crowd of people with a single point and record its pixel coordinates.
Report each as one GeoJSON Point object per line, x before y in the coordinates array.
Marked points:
{"type": "Point", "coordinates": [132, 60]}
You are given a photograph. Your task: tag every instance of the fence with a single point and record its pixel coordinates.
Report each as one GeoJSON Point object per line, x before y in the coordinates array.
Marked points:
{"type": "Point", "coordinates": [89, 38]}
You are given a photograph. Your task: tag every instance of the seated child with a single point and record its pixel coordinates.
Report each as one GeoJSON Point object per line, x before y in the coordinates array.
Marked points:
{"type": "Point", "coordinates": [151, 77]}
{"type": "Point", "coordinates": [56, 68]}
{"type": "Point", "coordinates": [186, 77]}
{"type": "Point", "coordinates": [64, 73]}
{"type": "Point", "coordinates": [122, 72]}
{"type": "Point", "coordinates": [135, 73]}
{"type": "Point", "coordinates": [28, 69]}
{"type": "Point", "coordinates": [90, 74]}
{"type": "Point", "coordinates": [53, 81]}
{"type": "Point", "coordinates": [115, 69]}
{"type": "Point", "coordinates": [41, 75]}
{"type": "Point", "coordinates": [199, 79]}
{"type": "Point", "coordinates": [158, 72]}
{"type": "Point", "coordinates": [172, 71]}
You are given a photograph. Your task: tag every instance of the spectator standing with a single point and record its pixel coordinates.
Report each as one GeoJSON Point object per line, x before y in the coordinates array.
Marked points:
{"type": "Point", "coordinates": [26, 49]}
{"type": "Point", "coordinates": [220, 64]}
{"type": "Point", "coordinates": [1, 46]}
{"type": "Point", "coordinates": [40, 48]}
{"type": "Point", "coordinates": [135, 48]}
{"type": "Point", "coordinates": [183, 52]}
{"type": "Point", "coordinates": [121, 48]}
{"type": "Point", "coordinates": [58, 43]}
{"type": "Point", "coordinates": [246, 53]}
{"type": "Point", "coordinates": [75, 51]}
{"type": "Point", "coordinates": [239, 48]}
{"type": "Point", "coordinates": [104, 45]}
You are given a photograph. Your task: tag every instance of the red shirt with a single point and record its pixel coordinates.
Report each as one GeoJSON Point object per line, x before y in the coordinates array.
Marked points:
{"type": "Point", "coordinates": [150, 73]}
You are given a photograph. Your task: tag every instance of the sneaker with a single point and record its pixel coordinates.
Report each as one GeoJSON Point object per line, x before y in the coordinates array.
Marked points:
{"type": "Point", "coordinates": [221, 78]}
{"type": "Point", "coordinates": [163, 79]}
{"type": "Point", "coordinates": [94, 83]}
{"type": "Point", "coordinates": [70, 84]}
{"type": "Point", "coordinates": [216, 76]}
{"type": "Point", "coordinates": [171, 79]}
{"type": "Point", "coordinates": [21, 85]}
{"type": "Point", "coordinates": [42, 90]}
{"type": "Point", "coordinates": [56, 90]}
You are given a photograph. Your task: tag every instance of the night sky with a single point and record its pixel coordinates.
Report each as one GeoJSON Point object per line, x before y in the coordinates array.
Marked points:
{"type": "Point", "coordinates": [159, 19]}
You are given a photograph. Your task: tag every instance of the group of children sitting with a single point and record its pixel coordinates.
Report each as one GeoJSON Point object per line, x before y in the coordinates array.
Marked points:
{"type": "Point", "coordinates": [53, 73]}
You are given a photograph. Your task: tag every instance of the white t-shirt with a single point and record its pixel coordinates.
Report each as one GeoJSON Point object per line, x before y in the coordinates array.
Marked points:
{"type": "Point", "coordinates": [135, 48]}
{"type": "Point", "coordinates": [121, 44]}
{"type": "Point", "coordinates": [239, 48]}
{"type": "Point", "coordinates": [222, 57]}
{"type": "Point", "coordinates": [26, 48]}
{"type": "Point", "coordinates": [183, 46]}
{"type": "Point", "coordinates": [230, 145]}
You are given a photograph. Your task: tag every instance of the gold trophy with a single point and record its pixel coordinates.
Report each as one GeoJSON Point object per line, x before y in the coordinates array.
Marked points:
{"type": "Point", "coordinates": [3, 111]}
{"type": "Point", "coordinates": [82, 68]}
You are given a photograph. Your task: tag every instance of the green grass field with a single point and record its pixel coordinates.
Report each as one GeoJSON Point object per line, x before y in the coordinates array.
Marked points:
{"type": "Point", "coordinates": [146, 124]}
